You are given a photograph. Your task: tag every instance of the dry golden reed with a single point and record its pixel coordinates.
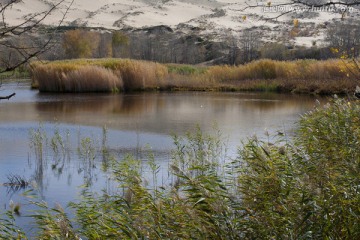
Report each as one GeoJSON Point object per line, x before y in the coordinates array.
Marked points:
{"type": "Point", "coordinates": [80, 79]}
{"type": "Point", "coordinates": [103, 75]}
{"type": "Point", "coordinates": [270, 69]}
{"type": "Point", "coordinates": [106, 75]}
{"type": "Point", "coordinates": [308, 76]}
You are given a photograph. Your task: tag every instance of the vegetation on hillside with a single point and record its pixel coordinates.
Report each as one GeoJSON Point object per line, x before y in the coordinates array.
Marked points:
{"type": "Point", "coordinates": [186, 45]}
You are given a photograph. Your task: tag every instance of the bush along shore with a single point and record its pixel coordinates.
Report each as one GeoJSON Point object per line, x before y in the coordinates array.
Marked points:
{"type": "Point", "coordinates": [305, 188]}
{"type": "Point", "coordinates": [115, 75]}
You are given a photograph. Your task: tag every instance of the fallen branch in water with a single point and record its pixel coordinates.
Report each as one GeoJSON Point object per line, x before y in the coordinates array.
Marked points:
{"type": "Point", "coordinates": [16, 181]}
{"type": "Point", "coordinates": [8, 97]}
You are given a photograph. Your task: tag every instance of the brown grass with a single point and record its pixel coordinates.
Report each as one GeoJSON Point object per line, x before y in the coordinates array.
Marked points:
{"type": "Point", "coordinates": [305, 76]}
{"type": "Point", "coordinates": [308, 76]}
{"type": "Point", "coordinates": [80, 79]}
{"type": "Point", "coordinates": [270, 69]}
{"type": "Point", "coordinates": [103, 75]}
{"type": "Point", "coordinates": [140, 75]}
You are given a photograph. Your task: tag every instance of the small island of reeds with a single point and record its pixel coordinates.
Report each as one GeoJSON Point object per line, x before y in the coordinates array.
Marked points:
{"type": "Point", "coordinates": [116, 75]}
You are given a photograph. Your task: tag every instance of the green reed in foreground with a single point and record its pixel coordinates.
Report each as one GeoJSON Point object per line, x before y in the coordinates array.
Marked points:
{"type": "Point", "coordinates": [307, 188]}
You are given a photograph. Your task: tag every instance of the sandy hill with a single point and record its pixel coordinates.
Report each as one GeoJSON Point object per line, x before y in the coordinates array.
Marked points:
{"type": "Point", "coordinates": [211, 16]}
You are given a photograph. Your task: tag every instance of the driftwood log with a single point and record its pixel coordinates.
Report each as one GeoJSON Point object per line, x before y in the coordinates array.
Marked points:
{"type": "Point", "coordinates": [7, 97]}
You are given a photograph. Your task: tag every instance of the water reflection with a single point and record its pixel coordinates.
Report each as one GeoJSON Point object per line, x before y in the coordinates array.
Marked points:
{"type": "Point", "coordinates": [167, 112]}
{"type": "Point", "coordinates": [75, 146]}
{"type": "Point", "coordinates": [161, 113]}
{"type": "Point", "coordinates": [15, 184]}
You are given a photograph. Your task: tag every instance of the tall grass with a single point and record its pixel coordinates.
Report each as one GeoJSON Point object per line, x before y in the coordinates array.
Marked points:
{"type": "Point", "coordinates": [8, 228]}
{"type": "Point", "coordinates": [310, 76]}
{"type": "Point", "coordinates": [271, 69]}
{"type": "Point", "coordinates": [103, 75]}
{"type": "Point", "coordinates": [331, 159]}
{"type": "Point", "coordinates": [307, 188]}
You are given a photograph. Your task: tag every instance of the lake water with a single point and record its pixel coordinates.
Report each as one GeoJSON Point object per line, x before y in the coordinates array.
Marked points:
{"type": "Point", "coordinates": [134, 124]}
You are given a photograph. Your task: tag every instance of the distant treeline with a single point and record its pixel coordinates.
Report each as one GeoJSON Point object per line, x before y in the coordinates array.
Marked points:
{"type": "Point", "coordinates": [189, 45]}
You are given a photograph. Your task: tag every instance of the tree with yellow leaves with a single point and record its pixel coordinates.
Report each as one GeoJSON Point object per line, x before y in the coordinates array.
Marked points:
{"type": "Point", "coordinates": [80, 43]}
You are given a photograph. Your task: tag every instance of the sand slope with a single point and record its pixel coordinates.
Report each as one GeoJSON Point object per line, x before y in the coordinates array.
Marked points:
{"type": "Point", "coordinates": [209, 15]}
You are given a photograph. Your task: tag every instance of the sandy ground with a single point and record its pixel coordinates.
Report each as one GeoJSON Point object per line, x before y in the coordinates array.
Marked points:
{"type": "Point", "coordinates": [212, 15]}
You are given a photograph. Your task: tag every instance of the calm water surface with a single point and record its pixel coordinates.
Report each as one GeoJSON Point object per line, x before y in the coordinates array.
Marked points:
{"type": "Point", "coordinates": [135, 123]}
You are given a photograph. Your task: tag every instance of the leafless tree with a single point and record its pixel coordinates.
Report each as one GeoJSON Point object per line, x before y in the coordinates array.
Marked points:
{"type": "Point", "coordinates": [18, 43]}
{"type": "Point", "coordinates": [345, 36]}
{"type": "Point", "coordinates": [249, 45]}
{"type": "Point", "coordinates": [10, 33]}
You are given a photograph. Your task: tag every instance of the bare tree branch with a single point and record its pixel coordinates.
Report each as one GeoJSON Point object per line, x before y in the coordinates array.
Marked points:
{"type": "Point", "coordinates": [32, 21]}
{"type": "Point", "coordinates": [11, 34]}
{"type": "Point", "coordinates": [308, 4]}
{"type": "Point", "coordinates": [8, 97]}
{"type": "Point", "coordinates": [27, 26]}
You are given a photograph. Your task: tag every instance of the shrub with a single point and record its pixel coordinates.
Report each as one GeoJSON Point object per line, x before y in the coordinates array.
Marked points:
{"type": "Point", "coordinates": [309, 189]}
{"type": "Point", "coordinates": [330, 139]}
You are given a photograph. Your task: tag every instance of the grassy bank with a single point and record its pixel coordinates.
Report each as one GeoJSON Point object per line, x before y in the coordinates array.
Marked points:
{"type": "Point", "coordinates": [20, 73]}
{"type": "Point", "coordinates": [307, 188]}
{"type": "Point", "coordinates": [302, 76]}
{"type": "Point", "coordinates": [109, 75]}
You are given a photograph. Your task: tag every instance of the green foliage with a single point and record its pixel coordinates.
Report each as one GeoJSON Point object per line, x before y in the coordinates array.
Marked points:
{"type": "Point", "coordinates": [53, 223]}
{"type": "Point", "coordinates": [8, 228]}
{"type": "Point", "coordinates": [268, 183]}
{"type": "Point", "coordinates": [274, 51]}
{"type": "Point", "coordinates": [185, 69]}
{"type": "Point", "coordinates": [80, 43]}
{"type": "Point", "coordinates": [19, 73]}
{"type": "Point", "coordinates": [38, 142]}
{"type": "Point", "coordinates": [307, 188]}
{"type": "Point", "coordinates": [60, 148]}
{"type": "Point", "coordinates": [330, 140]}
{"type": "Point", "coordinates": [119, 39]}
{"type": "Point", "coordinates": [120, 44]}
{"type": "Point", "coordinates": [190, 209]}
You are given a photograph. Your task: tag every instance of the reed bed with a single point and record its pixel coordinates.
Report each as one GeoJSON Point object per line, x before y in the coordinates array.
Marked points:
{"type": "Point", "coordinates": [303, 188]}
{"type": "Point", "coordinates": [102, 75]}
{"type": "Point", "coordinates": [270, 69]}
{"type": "Point", "coordinates": [109, 75]}
{"type": "Point", "coordinates": [301, 76]}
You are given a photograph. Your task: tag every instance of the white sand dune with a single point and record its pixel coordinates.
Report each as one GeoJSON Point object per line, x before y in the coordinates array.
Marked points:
{"type": "Point", "coordinates": [211, 15]}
